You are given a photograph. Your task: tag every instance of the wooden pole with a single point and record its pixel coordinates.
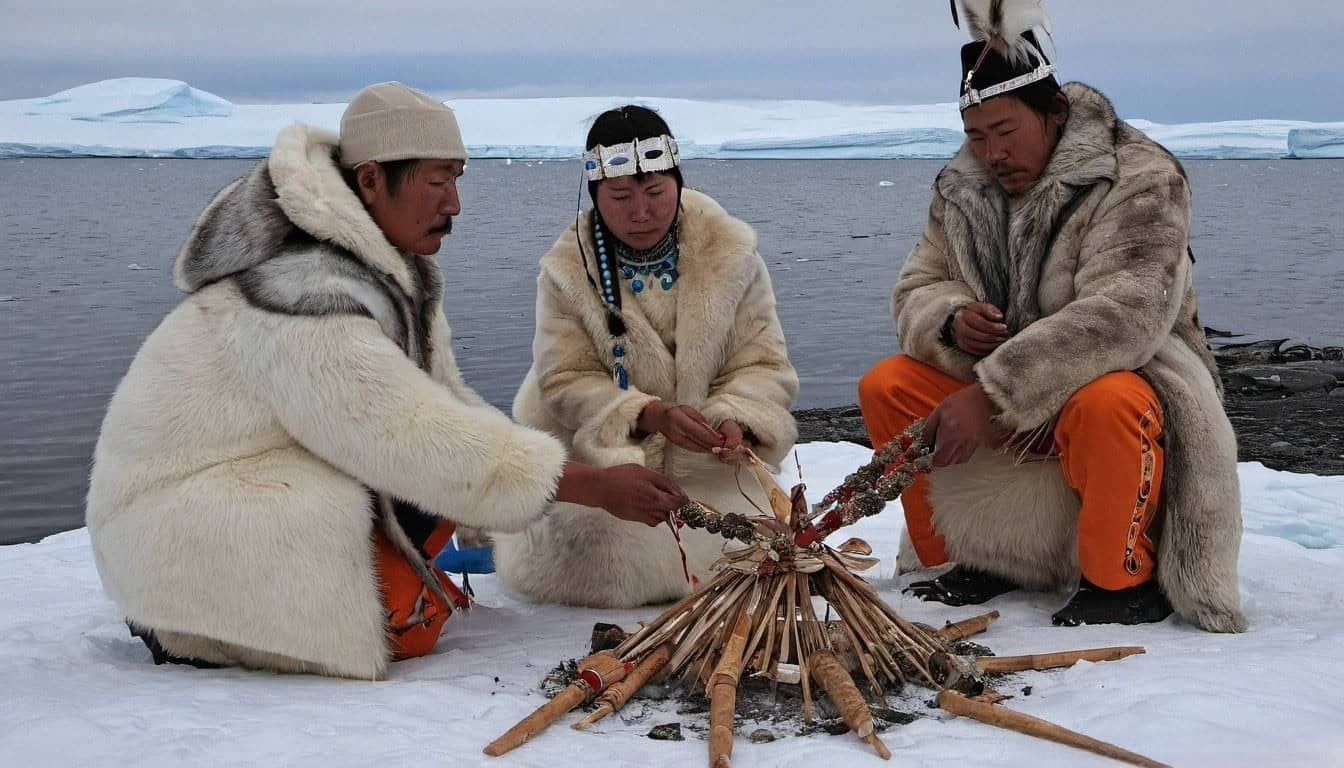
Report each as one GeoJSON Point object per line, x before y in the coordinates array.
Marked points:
{"type": "Point", "coordinates": [994, 664]}
{"type": "Point", "coordinates": [617, 694]}
{"type": "Point", "coordinates": [602, 668]}
{"type": "Point", "coordinates": [842, 691]}
{"type": "Point", "coordinates": [963, 629]}
{"type": "Point", "coordinates": [1003, 717]}
{"type": "Point", "coordinates": [723, 695]}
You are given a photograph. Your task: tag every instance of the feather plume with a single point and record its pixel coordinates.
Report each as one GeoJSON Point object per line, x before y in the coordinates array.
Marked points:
{"type": "Point", "coordinates": [1003, 22]}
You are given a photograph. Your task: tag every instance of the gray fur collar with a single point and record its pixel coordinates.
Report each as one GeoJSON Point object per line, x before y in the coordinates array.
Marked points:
{"type": "Point", "coordinates": [1004, 265]}
{"type": "Point", "coordinates": [297, 240]}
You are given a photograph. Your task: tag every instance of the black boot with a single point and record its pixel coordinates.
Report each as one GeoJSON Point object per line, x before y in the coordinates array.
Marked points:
{"type": "Point", "coordinates": [962, 585]}
{"type": "Point", "coordinates": [1142, 604]}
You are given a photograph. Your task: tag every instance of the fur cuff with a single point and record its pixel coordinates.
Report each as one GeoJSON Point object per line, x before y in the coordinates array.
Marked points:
{"type": "Point", "coordinates": [608, 439]}
{"type": "Point", "coordinates": [528, 466]}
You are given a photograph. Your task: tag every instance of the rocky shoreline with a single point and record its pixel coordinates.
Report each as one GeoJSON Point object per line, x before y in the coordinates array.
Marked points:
{"type": "Point", "coordinates": [1284, 397]}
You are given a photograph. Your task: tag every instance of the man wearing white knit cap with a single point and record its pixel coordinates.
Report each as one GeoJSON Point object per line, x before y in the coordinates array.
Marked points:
{"type": "Point", "coordinates": [294, 443]}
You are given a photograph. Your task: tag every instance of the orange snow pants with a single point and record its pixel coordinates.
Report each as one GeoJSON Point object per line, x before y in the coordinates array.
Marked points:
{"type": "Point", "coordinates": [1108, 437]}
{"type": "Point", "coordinates": [415, 615]}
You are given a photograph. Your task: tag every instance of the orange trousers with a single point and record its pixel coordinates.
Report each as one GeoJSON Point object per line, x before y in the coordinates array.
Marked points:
{"type": "Point", "coordinates": [414, 614]}
{"type": "Point", "coordinates": [1108, 437]}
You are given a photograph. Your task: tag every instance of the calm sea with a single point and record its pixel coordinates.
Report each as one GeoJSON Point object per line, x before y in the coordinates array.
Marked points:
{"type": "Point", "coordinates": [86, 248]}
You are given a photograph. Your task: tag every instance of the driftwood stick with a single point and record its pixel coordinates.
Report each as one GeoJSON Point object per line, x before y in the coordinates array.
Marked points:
{"type": "Point", "coordinates": [1054, 660]}
{"type": "Point", "coordinates": [1012, 720]}
{"type": "Point", "coordinates": [965, 628]}
{"type": "Point", "coordinates": [595, 673]}
{"type": "Point", "coordinates": [842, 691]}
{"type": "Point", "coordinates": [677, 610]}
{"type": "Point", "coordinates": [723, 695]}
{"type": "Point", "coordinates": [617, 694]}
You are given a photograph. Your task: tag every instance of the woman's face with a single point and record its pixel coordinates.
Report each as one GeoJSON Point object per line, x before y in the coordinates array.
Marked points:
{"type": "Point", "coordinates": [638, 213]}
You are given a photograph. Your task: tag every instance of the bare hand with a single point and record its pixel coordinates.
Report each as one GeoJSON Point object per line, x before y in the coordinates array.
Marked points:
{"type": "Point", "coordinates": [959, 425]}
{"type": "Point", "coordinates": [978, 328]}
{"type": "Point", "coordinates": [734, 446]}
{"type": "Point", "coordinates": [629, 492]}
{"type": "Point", "coordinates": [638, 494]}
{"type": "Point", "coordinates": [682, 425]}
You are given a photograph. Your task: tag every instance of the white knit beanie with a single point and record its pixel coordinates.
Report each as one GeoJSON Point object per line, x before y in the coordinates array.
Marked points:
{"type": "Point", "coordinates": [390, 121]}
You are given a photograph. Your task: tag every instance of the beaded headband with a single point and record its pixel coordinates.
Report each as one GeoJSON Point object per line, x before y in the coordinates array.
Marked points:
{"type": "Point", "coordinates": [658, 153]}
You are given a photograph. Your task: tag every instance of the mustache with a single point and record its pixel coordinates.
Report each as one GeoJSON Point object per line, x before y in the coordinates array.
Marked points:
{"type": "Point", "coordinates": [443, 229]}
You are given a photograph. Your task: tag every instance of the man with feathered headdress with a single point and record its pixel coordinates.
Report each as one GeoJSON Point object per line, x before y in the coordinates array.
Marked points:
{"type": "Point", "coordinates": [1051, 339]}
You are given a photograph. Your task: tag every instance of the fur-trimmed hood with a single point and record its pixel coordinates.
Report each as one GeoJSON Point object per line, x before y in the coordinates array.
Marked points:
{"type": "Point", "coordinates": [299, 241]}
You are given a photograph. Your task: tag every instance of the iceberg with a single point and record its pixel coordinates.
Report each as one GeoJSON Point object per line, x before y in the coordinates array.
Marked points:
{"type": "Point", "coordinates": [146, 117]}
{"type": "Point", "coordinates": [1326, 140]}
{"type": "Point", "coordinates": [133, 99]}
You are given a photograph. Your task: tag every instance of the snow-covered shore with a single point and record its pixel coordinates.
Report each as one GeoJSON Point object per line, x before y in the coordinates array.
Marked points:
{"type": "Point", "coordinates": [79, 691]}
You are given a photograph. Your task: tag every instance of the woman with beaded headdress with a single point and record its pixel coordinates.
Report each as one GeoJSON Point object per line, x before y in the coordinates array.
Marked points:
{"type": "Point", "coordinates": [657, 343]}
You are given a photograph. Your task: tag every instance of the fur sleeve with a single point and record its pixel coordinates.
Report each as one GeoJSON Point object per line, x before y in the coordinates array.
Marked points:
{"type": "Point", "coordinates": [577, 389]}
{"type": "Point", "coordinates": [925, 296]}
{"type": "Point", "coordinates": [1132, 269]}
{"type": "Point", "coordinates": [757, 385]}
{"type": "Point", "coordinates": [349, 395]}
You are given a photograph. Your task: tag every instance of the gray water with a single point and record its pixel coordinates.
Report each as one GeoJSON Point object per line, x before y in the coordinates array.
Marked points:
{"type": "Point", "coordinates": [86, 248]}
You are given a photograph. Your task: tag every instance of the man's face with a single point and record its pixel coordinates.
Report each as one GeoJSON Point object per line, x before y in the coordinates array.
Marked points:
{"type": "Point", "coordinates": [638, 213]}
{"type": "Point", "coordinates": [1012, 140]}
{"type": "Point", "coordinates": [416, 218]}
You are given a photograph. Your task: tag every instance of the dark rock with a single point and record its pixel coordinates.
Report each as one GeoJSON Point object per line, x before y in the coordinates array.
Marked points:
{"type": "Point", "coordinates": [835, 727]}
{"type": "Point", "coordinates": [667, 732]}
{"type": "Point", "coordinates": [893, 716]}
{"type": "Point", "coordinates": [696, 705]}
{"type": "Point", "coordinates": [1277, 379]}
{"type": "Point", "coordinates": [1026, 691]}
{"type": "Point", "coordinates": [762, 736]}
{"type": "Point", "coordinates": [607, 636]}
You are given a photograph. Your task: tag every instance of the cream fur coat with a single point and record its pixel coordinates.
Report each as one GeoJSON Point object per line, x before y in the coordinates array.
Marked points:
{"type": "Point", "coordinates": [1097, 279]}
{"type": "Point", "coordinates": [308, 369]}
{"type": "Point", "coordinates": [730, 363]}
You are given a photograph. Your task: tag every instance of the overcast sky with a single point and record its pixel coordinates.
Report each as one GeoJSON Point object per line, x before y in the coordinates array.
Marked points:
{"type": "Point", "coordinates": [1167, 60]}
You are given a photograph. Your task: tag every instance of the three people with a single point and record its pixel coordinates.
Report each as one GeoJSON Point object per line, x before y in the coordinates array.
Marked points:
{"type": "Point", "coordinates": [1050, 336]}
{"type": "Point", "coordinates": [294, 443]}
{"type": "Point", "coordinates": [657, 343]}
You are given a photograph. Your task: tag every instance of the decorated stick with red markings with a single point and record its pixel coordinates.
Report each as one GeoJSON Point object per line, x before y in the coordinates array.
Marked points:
{"type": "Point", "coordinates": [595, 673]}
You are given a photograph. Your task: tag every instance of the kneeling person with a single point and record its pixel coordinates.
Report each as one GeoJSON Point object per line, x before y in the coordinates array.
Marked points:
{"type": "Point", "coordinates": [293, 443]}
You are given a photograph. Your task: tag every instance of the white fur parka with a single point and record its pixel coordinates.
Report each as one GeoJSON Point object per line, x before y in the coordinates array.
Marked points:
{"type": "Point", "coordinates": [308, 371]}
{"type": "Point", "coordinates": [1093, 274]}
{"type": "Point", "coordinates": [730, 363]}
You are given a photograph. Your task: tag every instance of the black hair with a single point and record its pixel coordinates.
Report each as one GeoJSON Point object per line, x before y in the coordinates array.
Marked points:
{"type": "Point", "coordinates": [624, 124]}
{"type": "Point", "coordinates": [1040, 96]}
{"type": "Point", "coordinates": [394, 171]}
{"type": "Point", "coordinates": [619, 126]}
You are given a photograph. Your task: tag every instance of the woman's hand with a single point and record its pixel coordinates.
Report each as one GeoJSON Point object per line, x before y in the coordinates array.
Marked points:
{"type": "Point", "coordinates": [629, 492]}
{"type": "Point", "coordinates": [734, 444]}
{"type": "Point", "coordinates": [682, 425]}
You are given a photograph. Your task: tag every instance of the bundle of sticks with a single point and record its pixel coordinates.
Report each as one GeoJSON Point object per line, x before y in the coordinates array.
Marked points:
{"type": "Point", "coordinates": [759, 616]}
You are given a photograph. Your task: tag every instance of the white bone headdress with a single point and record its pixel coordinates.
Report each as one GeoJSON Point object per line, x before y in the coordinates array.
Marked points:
{"type": "Point", "coordinates": [658, 153]}
{"type": "Point", "coordinates": [1002, 26]}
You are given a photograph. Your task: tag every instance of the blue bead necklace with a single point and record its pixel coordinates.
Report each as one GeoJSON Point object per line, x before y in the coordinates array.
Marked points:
{"type": "Point", "coordinates": [659, 262]}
